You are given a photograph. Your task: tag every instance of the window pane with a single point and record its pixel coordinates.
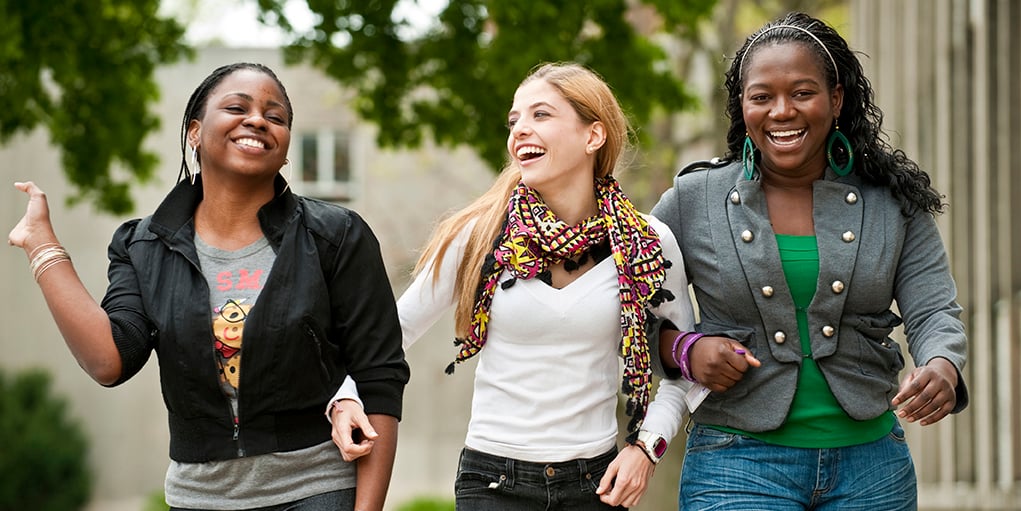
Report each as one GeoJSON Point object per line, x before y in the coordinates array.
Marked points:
{"type": "Point", "coordinates": [309, 158]}
{"type": "Point", "coordinates": [341, 158]}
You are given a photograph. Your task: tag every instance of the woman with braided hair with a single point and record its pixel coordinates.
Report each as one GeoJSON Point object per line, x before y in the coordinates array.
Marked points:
{"type": "Point", "coordinates": [218, 280]}
{"type": "Point", "coordinates": [554, 275]}
{"type": "Point", "coordinates": [797, 244]}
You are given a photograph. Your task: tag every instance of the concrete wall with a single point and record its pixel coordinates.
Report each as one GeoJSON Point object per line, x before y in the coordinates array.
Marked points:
{"type": "Point", "coordinates": [946, 75]}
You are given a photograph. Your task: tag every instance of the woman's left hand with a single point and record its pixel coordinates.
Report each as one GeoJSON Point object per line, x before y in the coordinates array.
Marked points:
{"type": "Point", "coordinates": [626, 478]}
{"type": "Point", "coordinates": [928, 393]}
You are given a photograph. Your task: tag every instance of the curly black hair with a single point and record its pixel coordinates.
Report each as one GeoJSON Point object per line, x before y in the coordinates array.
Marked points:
{"type": "Point", "coordinates": [197, 103]}
{"type": "Point", "coordinates": [860, 119]}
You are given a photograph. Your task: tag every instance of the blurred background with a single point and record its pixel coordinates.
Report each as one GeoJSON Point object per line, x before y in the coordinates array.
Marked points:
{"type": "Point", "coordinates": [400, 109]}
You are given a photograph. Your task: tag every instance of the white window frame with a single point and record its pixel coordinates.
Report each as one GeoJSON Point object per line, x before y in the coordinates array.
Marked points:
{"type": "Point", "coordinates": [326, 186]}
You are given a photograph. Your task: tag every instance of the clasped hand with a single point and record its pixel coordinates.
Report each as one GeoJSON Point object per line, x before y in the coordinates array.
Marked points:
{"type": "Point", "coordinates": [352, 432]}
{"type": "Point", "coordinates": [626, 478]}
{"type": "Point", "coordinates": [720, 362]}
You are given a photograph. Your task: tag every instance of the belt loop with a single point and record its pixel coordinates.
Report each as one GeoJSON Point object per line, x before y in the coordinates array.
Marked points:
{"type": "Point", "coordinates": [508, 482]}
{"type": "Point", "coordinates": [584, 476]}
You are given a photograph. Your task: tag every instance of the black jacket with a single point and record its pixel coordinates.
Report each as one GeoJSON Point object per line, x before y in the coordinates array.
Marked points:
{"type": "Point", "coordinates": [327, 310]}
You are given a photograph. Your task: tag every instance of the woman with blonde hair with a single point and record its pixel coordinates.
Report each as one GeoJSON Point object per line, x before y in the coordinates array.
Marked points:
{"type": "Point", "coordinates": [554, 275]}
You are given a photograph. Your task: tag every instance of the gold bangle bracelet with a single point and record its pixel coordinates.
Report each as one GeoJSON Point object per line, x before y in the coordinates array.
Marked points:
{"type": "Point", "coordinates": [45, 255]}
{"type": "Point", "coordinates": [49, 264]}
{"type": "Point", "coordinates": [35, 251]}
{"type": "Point", "coordinates": [46, 258]}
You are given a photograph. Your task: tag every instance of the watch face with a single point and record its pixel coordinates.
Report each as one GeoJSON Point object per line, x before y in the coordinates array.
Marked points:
{"type": "Point", "coordinates": [659, 447]}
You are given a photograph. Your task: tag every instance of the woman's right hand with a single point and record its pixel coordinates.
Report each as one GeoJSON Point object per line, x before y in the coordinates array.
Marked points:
{"type": "Point", "coordinates": [720, 362]}
{"type": "Point", "coordinates": [34, 228]}
{"type": "Point", "coordinates": [352, 432]}
{"type": "Point", "coordinates": [85, 326]}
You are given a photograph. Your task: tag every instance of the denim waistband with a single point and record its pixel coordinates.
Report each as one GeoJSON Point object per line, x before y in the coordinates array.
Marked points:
{"type": "Point", "coordinates": [511, 470]}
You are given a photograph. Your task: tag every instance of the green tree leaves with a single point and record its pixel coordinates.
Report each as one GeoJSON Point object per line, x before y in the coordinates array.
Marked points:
{"type": "Point", "coordinates": [457, 80]}
{"type": "Point", "coordinates": [83, 69]}
{"type": "Point", "coordinates": [43, 460]}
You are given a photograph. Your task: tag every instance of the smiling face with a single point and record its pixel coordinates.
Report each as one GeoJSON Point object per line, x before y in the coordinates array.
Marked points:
{"type": "Point", "coordinates": [788, 108]}
{"type": "Point", "coordinates": [548, 141]}
{"type": "Point", "coordinates": [244, 127]}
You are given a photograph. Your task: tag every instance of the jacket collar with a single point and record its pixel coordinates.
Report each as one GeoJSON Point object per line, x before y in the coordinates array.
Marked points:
{"type": "Point", "coordinates": [173, 219]}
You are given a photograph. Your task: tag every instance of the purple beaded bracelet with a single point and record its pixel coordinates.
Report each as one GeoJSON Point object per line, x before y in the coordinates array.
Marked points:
{"type": "Point", "coordinates": [689, 339]}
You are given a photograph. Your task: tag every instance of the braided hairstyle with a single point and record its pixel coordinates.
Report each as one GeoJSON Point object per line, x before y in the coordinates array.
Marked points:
{"type": "Point", "coordinates": [876, 162]}
{"type": "Point", "coordinates": [197, 103]}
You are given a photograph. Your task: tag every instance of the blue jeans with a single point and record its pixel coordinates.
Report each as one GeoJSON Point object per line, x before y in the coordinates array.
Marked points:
{"type": "Point", "coordinates": [333, 501]}
{"type": "Point", "coordinates": [724, 471]}
{"type": "Point", "coordinates": [493, 483]}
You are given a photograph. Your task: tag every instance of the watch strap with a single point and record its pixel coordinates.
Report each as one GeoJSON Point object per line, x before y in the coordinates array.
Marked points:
{"type": "Point", "coordinates": [653, 445]}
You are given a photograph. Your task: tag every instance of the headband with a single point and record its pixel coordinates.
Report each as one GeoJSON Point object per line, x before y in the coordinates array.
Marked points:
{"type": "Point", "coordinates": [774, 27]}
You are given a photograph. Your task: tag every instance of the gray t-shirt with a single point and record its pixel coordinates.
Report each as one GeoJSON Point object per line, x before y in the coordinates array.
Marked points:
{"type": "Point", "coordinates": [235, 279]}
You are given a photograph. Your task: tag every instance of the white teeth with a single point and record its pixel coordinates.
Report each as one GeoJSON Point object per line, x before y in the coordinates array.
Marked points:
{"type": "Point", "coordinates": [788, 133]}
{"type": "Point", "coordinates": [251, 142]}
{"type": "Point", "coordinates": [530, 150]}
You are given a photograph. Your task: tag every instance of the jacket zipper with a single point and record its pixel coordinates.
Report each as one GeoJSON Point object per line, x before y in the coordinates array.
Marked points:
{"type": "Point", "coordinates": [237, 437]}
{"type": "Point", "coordinates": [236, 418]}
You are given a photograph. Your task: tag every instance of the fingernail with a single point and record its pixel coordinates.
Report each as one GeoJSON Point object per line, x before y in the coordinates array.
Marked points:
{"type": "Point", "coordinates": [739, 351]}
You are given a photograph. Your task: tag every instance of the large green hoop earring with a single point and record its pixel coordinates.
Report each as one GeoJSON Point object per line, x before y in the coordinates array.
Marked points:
{"type": "Point", "coordinates": [834, 137]}
{"type": "Point", "coordinates": [748, 157]}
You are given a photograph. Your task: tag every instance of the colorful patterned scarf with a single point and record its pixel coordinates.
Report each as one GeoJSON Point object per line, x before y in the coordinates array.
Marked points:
{"type": "Point", "coordinates": [534, 239]}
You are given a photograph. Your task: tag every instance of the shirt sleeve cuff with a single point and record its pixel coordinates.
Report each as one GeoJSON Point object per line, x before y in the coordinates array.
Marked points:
{"type": "Point", "coordinates": [347, 390]}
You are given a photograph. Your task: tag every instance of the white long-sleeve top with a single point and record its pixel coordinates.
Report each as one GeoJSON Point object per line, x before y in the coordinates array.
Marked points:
{"type": "Point", "coordinates": [547, 379]}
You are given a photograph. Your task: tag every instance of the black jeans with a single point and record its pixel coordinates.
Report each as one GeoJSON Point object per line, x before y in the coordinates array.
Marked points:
{"type": "Point", "coordinates": [341, 500]}
{"type": "Point", "coordinates": [494, 483]}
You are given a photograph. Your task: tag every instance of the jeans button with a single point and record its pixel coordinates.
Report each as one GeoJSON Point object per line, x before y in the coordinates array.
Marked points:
{"type": "Point", "coordinates": [550, 472]}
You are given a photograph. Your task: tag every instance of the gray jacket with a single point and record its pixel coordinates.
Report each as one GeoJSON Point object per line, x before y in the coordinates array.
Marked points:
{"type": "Point", "coordinates": [870, 254]}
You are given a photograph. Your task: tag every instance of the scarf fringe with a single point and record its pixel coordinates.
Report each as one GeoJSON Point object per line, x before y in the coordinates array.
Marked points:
{"type": "Point", "coordinates": [636, 421]}
{"type": "Point", "coordinates": [660, 296]}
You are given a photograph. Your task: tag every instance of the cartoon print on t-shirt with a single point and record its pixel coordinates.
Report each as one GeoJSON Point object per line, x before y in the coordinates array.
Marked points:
{"type": "Point", "coordinates": [228, 328]}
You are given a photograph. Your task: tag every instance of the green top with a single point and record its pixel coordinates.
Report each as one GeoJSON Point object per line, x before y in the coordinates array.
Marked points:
{"type": "Point", "coordinates": [816, 419]}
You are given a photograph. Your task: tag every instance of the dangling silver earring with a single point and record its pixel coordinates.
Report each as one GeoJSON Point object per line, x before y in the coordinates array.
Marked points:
{"type": "Point", "coordinates": [196, 167]}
